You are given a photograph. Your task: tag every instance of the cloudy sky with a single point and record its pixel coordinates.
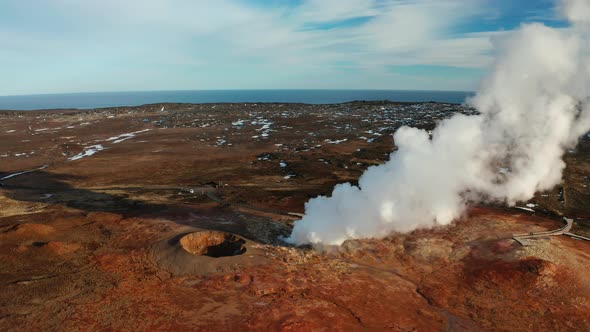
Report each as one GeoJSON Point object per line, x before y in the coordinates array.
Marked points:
{"type": "Point", "coordinates": [55, 46]}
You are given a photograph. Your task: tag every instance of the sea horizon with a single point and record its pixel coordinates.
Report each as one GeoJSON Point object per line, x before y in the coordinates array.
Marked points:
{"type": "Point", "coordinates": [92, 100]}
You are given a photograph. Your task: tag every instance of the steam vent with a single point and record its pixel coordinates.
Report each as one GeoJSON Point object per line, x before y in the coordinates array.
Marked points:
{"type": "Point", "coordinates": [213, 244]}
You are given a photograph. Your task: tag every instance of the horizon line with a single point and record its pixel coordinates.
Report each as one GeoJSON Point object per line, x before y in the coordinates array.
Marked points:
{"type": "Point", "coordinates": [191, 90]}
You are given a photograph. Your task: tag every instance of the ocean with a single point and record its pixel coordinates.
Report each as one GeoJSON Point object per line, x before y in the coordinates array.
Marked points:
{"type": "Point", "coordinates": [113, 99]}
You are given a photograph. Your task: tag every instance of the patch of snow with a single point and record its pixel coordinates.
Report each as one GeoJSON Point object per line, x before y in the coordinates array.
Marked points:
{"type": "Point", "coordinates": [124, 137]}
{"type": "Point", "coordinates": [88, 151]}
{"type": "Point", "coordinates": [338, 141]}
{"type": "Point", "coordinates": [265, 129]}
{"type": "Point", "coordinates": [23, 172]}
{"type": "Point", "coordinates": [265, 156]}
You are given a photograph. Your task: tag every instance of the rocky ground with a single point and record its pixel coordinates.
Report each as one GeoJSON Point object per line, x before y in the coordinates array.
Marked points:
{"type": "Point", "coordinates": [92, 238]}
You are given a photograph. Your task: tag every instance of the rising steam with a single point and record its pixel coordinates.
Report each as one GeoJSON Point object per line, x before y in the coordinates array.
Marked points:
{"type": "Point", "coordinates": [533, 107]}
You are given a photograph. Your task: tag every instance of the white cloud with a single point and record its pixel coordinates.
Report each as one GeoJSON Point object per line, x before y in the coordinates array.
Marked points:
{"type": "Point", "coordinates": [212, 36]}
{"type": "Point", "coordinates": [315, 11]}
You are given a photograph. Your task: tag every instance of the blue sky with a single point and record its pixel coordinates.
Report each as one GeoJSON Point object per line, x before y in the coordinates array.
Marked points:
{"type": "Point", "coordinates": [61, 46]}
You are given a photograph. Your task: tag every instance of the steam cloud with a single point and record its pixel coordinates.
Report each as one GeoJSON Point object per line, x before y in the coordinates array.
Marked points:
{"type": "Point", "coordinates": [533, 107]}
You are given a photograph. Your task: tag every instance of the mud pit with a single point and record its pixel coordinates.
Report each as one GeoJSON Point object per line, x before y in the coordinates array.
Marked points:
{"type": "Point", "coordinates": [213, 244]}
{"type": "Point", "coordinates": [96, 242]}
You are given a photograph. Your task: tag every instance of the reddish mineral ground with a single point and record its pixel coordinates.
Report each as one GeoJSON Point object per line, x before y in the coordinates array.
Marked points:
{"type": "Point", "coordinates": [168, 217]}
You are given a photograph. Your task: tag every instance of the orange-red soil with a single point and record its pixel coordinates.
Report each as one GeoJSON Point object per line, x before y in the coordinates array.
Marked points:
{"type": "Point", "coordinates": [93, 244]}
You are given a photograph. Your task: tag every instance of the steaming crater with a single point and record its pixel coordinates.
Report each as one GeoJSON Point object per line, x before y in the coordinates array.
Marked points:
{"type": "Point", "coordinates": [213, 244]}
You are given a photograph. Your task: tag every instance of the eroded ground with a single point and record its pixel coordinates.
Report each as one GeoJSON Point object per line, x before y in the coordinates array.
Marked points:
{"type": "Point", "coordinates": [91, 241]}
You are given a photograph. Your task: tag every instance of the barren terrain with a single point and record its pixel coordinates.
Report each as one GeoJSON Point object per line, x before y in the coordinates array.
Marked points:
{"type": "Point", "coordinates": [93, 238]}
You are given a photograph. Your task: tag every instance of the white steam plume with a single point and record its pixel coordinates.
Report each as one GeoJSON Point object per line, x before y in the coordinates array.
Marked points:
{"type": "Point", "coordinates": [532, 108]}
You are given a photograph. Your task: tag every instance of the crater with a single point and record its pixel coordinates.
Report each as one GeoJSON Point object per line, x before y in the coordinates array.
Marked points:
{"type": "Point", "coordinates": [213, 244]}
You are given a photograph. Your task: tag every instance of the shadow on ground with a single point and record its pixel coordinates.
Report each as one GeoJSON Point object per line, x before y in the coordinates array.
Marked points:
{"type": "Point", "coordinates": [50, 188]}
{"type": "Point", "coordinates": [176, 204]}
